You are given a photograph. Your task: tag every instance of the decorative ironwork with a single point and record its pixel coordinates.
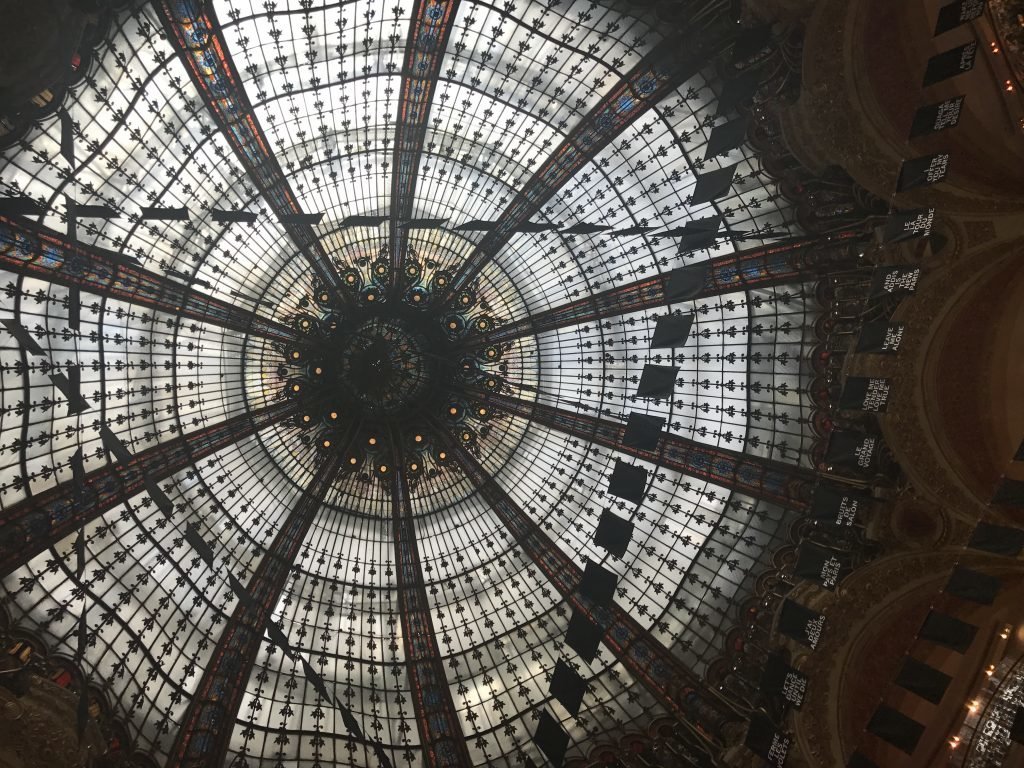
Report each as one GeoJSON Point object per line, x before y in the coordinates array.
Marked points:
{"type": "Point", "coordinates": [195, 32]}
{"type": "Point", "coordinates": [388, 368]}
{"type": "Point", "coordinates": [202, 739]}
{"type": "Point", "coordinates": [428, 39]}
{"type": "Point", "coordinates": [36, 251]}
{"type": "Point", "coordinates": [44, 519]}
{"type": "Point", "coordinates": [782, 483]}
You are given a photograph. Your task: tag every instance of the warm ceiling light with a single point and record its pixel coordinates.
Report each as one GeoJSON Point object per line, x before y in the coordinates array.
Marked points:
{"type": "Point", "coordinates": [442, 455]}
{"type": "Point", "coordinates": [319, 371]}
{"type": "Point", "coordinates": [334, 414]}
{"type": "Point", "coordinates": [418, 438]}
{"type": "Point", "coordinates": [372, 441]}
{"type": "Point", "coordinates": [383, 467]}
{"type": "Point", "coordinates": [414, 466]}
{"type": "Point", "coordinates": [453, 410]}
{"type": "Point", "coordinates": [305, 418]}
{"type": "Point", "coordinates": [327, 443]}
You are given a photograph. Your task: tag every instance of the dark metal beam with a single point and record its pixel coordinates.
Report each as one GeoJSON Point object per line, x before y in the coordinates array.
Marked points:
{"type": "Point", "coordinates": [205, 733]}
{"type": "Point", "coordinates": [431, 24]}
{"type": "Point", "coordinates": [42, 520]}
{"type": "Point", "coordinates": [441, 736]}
{"type": "Point", "coordinates": [761, 478]}
{"type": "Point", "coordinates": [770, 265]}
{"type": "Point", "coordinates": [654, 666]}
{"type": "Point", "coordinates": [671, 63]}
{"type": "Point", "coordinates": [36, 251]}
{"type": "Point", "coordinates": [195, 34]}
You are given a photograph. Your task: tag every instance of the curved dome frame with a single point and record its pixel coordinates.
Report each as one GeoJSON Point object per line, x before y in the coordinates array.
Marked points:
{"type": "Point", "coordinates": [512, 88]}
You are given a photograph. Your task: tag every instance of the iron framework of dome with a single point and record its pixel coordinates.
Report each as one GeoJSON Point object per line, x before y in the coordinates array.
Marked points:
{"type": "Point", "coordinates": [341, 312]}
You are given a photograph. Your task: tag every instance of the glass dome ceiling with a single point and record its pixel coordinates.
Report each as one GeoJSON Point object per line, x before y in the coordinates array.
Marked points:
{"type": "Point", "coordinates": [401, 124]}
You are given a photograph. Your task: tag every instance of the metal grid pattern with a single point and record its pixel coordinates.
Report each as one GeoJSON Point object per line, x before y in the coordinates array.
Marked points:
{"type": "Point", "coordinates": [324, 80]}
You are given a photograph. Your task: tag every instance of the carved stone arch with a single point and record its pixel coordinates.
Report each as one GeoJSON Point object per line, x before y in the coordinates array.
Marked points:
{"type": "Point", "coordinates": [871, 623]}
{"type": "Point", "coordinates": [862, 81]}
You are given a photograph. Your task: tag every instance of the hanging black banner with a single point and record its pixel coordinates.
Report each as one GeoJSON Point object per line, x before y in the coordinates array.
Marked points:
{"type": "Point", "coordinates": [948, 631]}
{"type": "Point", "coordinates": [880, 337]}
{"type": "Point", "coordinates": [960, 12]}
{"type": "Point", "coordinates": [825, 567]}
{"type": "Point", "coordinates": [198, 543]}
{"type": "Point", "coordinates": [997, 539]}
{"type": "Point", "coordinates": [780, 679]}
{"type": "Point", "coordinates": [937, 117]}
{"type": "Point", "coordinates": [1009, 492]}
{"type": "Point", "coordinates": [907, 225]}
{"type": "Point", "coordinates": [766, 742]}
{"type": "Point", "coordinates": [896, 728]}
{"type": "Point", "coordinates": [923, 171]}
{"type": "Point", "coordinates": [838, 505]}
{"type": "Point", "coordinates": [23, 337]}
{"type": "Point", "coordinates": [923, 680]}
{"type": "Point", "coordinates": [861, 393]}
{"type": "Point", "coordinates": [852, 452]}
{"type": "Point", "coordinates": [1017, 729]}
{"type": "Point", "coordinates": [67, 136]}
{"type": "Point", "coordinates": [951, 63]}
{"type": "Point", "coordinates": [973, 586]}
{"type": "Point", "coordinates": [857, 760]}
{"type": "Point", "coordinates": [894, 280]}
{"type": "Point", "coordinates": [800, 623]}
